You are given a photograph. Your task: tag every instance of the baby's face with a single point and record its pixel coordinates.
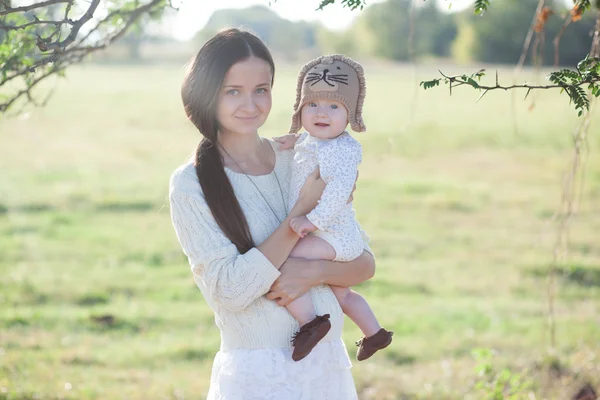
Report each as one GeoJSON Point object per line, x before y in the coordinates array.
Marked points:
{"type": "Point", "coordinates": [324, 119]}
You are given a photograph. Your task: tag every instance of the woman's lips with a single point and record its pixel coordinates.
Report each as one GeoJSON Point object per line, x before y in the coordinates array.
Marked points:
{"type": "Point", "coordinates": [247, 118]}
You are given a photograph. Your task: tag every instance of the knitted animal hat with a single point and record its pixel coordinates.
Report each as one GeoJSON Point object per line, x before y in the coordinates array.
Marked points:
{"type": "Point", "coordinates": [333, 77]}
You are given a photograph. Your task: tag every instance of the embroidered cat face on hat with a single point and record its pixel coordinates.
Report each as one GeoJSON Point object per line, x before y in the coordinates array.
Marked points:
{"type": "Point", "coordinates": [333, 77]}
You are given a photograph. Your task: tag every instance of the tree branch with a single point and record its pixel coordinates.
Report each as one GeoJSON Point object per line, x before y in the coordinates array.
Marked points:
{"type": "Point", "coordinates": [527, 41]}
{"type": "Point", "coordinates": [133, 16]}
{"type": "Point", "coordinates": [26, 91]}
{"type": "Point", "coordinates": [458, 81]}
{"type": "Point", "coordinates": [566, 23]}
{"type": "Point", "coordinates": [8, 10]}
{"type": "Point", "coordinates": [36, 21]}
{"type": "Point", "coordinates": [70, 51]}
{"type": "Point", "coordinates": [43, 46]}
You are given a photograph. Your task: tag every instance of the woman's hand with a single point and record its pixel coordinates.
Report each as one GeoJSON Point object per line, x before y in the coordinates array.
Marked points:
{"type": "Point", "coordinates": [298, 275]}
{"type": "Point", "coordinates": [309, 194]}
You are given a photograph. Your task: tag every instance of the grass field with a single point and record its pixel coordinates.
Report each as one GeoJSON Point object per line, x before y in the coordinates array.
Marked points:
{"type": "Point", "coordinates": [97, 301]}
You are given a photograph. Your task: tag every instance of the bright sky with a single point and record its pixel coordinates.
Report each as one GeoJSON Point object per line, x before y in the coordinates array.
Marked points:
{"type": "Point", "coordinates": [193, 14]}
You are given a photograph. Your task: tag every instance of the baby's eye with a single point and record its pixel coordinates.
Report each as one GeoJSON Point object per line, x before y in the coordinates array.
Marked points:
{"type": "Point", "coordinates": [233, 91]}
{"type": "Point", "coordinates": [312, 104]}
{"type": "Point", "coordinates": [334, 107]}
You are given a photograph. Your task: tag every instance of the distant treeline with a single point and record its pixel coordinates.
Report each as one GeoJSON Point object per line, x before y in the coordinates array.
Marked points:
{"type": "Point", "coordinates": [382, 31]}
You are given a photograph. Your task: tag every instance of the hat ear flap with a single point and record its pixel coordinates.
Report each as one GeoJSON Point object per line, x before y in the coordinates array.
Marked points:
{"type": "Point", "coordinates": [358, 125]}
{"type": "Point", "coordinates": [296, 117]}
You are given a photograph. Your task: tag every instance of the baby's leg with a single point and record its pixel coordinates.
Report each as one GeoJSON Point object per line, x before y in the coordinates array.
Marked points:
{"type": "Point", "coordinates": [357, 309]}
{"type": "Point", "coordinates": [302, 309]}
{"type": "Point", "coordinates": [313, 248]}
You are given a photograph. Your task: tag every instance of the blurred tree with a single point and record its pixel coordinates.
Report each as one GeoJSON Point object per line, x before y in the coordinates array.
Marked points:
{"type": "Point", "coordinates": [464, 43]}
{"type": "Point", "coordinates": [266, 24]}
{"type": "Point", "coordinates": [435, 30]}
{"type": "Point", "coordinates": [499, 36]}
{"type": "Point", "coordinates": [133, 40]}
{"type": "Point", "coordinates": [389, 24]}
{"type": "Point", "coordinates": [43, 38]}
{"type": "Point", "coordinates": [382, 30]}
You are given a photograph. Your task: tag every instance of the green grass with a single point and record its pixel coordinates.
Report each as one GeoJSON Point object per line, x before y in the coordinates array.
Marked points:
{"type": "Point", "coordinates": [97, 301]}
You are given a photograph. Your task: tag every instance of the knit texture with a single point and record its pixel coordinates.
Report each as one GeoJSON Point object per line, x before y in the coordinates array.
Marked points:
{"type": "Point", "coordinates": [234, 284]}
{"type": "Point", "coordinates": [334, 77]}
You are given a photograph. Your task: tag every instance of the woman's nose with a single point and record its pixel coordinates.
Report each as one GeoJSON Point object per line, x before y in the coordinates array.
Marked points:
{"type": "Point", "coordinates": [249, 103]}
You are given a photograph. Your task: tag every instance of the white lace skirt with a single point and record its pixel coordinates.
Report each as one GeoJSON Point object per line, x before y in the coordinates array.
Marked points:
{"type": "Point", "coordinates": [271, 374]}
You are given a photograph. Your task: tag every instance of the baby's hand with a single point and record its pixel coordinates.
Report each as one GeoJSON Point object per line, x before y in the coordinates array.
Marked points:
{"type": "Point", "coordinates": [302, 226]}
{"type": "Point", "coordinates": [286, 141]}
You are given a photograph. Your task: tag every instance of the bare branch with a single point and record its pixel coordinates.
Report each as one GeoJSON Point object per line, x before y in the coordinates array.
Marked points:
{"type": "Point", "coordinates": [527, 42]}
{"type": "Point", "coordinates": [559, 35]}
{"type": "Point", "coordinates": [74, 31]}
{"type": "Point", "coordinates": [133, 16]}
{"type": "Point", "coordinates": [9, 10]}
{"type": "Point", "coordinates": [34, 22]}
{"type": "Point", "coordinates": [595, 50]}
{"type": "Point", "coordinates": [62, 57]}
{"type": "Point", "coordinates": [26, 91]}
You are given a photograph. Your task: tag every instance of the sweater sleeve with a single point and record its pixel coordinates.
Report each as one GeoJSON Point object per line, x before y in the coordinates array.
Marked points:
{"type": "Point", "coordinates": [338, 164]}
{"type": "Point", "coordinates": [233, 280]}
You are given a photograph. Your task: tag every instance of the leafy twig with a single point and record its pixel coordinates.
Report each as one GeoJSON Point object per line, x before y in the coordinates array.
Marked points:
{"type": "Point", "coordinates": [572, 82]}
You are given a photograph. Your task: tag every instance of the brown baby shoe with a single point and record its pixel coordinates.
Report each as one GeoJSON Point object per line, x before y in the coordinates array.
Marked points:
{"type": "Point", "coordinates": [309, 335]}
{"type": "Point", "coordinates": [367, 346]}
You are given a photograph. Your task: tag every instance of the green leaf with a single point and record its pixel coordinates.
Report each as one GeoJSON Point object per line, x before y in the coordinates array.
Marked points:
{"type": "Point", "coordinates": [481, 6]}
{"type": "Point", "coordinates": [351, 4]}
{"type": "Point", "coordinates": [473, 83]}
{"type": "Point", "coordinates": [429, 84]}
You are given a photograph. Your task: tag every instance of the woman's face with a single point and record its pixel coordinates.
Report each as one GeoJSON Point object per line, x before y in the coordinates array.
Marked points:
{"type": "Point", "coordinates": [244, 100]}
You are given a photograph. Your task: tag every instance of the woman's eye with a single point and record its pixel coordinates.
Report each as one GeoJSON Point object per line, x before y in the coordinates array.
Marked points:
{"type": "Point", "coordinates": [261, 90]}
{"type": "Point", "coordinates": [233, 91]}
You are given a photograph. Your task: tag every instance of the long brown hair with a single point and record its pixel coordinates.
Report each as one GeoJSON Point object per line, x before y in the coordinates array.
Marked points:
{"type": "Point", "coordinates": [199, 92]}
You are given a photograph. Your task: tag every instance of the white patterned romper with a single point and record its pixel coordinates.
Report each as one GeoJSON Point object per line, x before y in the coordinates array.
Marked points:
{"type": "Point", "coordinates": [337, 160]}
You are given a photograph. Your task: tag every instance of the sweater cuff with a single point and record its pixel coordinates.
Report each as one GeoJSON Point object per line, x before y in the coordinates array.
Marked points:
{"type": "Point", "coordinates": [263, 269]}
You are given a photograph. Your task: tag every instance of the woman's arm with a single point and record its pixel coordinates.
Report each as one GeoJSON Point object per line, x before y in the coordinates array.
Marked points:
{"type": "Point", "coordinates": [299, 275]}
{"type": "Point", "coordinates": [277, 247]}
{"type": "Point", "coordinates": [231, 279]}
{"type": "Point", "coordinates": [348, 273]}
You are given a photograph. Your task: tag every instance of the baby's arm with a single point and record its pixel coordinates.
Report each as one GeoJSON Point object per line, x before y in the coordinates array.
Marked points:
{"type": "Point", "coordinates": [338, 164]}
{"type": "Point", "coordinates": [302, 226]}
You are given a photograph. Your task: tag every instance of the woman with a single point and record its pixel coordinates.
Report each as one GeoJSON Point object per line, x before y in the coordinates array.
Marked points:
{"type": "Point", "coordinates": [228, 209]}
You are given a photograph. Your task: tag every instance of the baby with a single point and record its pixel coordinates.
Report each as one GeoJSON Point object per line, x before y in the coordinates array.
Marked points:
{"type": "Point", "coordinates": [330, 94]}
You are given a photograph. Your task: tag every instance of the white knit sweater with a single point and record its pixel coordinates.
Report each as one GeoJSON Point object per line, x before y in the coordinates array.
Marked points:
{"type": "Point", "coordinates": [234, 284]}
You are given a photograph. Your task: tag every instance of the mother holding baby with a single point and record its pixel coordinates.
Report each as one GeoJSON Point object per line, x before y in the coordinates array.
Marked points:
{"type": "Point", "coordinates": [229, 208]}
